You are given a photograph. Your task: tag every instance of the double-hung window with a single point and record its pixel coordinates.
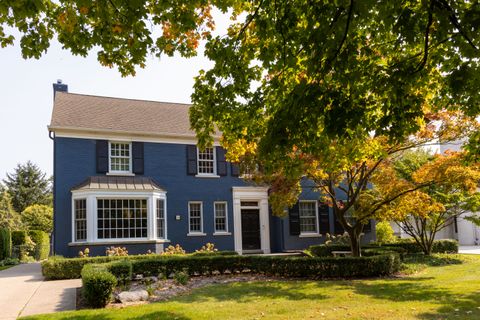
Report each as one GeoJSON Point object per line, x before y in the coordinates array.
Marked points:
{"type": "Point", "coordinates": [160, 219]}
{"type": "Point", "coordinates": [220, 217]}
{"type": "Point", "coordinates": [308, 211]}
{"type": "Point", "coordinates": [206, 161]}
{"type": "Point", "coordinates": [120, 157]}
{"type": "Point", "coordinates": [80, 211]}
{"type": "Point", "coordinates": [195, 217]}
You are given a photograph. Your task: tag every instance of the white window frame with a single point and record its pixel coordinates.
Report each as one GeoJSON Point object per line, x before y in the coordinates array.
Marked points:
{"type": "Point", "coordinates": [75, 220]}
{"type": "Point", "coordinates": [92, 215]}
{"type": "Point", "coordinates": [196, 233]}
{"type": "Point", "coordinates": [130, 162]}
{"type": "Point", "coordinates": [309, 233]}
{"type": "Point", "coordinates": [220, 232]}
{"type": "Point", "coordinates": [214, 173]}
{"type": "Point", "coordinates": [164, 217]}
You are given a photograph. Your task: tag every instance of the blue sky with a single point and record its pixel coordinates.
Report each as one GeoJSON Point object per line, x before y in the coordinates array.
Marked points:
{"type": "Point", "coordinates": [27, 95]}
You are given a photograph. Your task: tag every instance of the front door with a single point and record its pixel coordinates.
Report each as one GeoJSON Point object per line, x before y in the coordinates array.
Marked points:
{"type": "Point", "coordinates": [250, 229]}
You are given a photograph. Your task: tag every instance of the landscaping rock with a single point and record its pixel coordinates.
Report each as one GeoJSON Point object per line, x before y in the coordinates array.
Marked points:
{"type": "Point", "coordinates": [133, 296]}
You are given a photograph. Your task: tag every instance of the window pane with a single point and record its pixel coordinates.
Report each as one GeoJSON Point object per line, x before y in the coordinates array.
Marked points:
{"type": "Point", "coordinates": [120, 157]}
{"type": "Point", "coordinates": [308, 216]}
{"type": "Point", "coordinates": [160, 219]}
{"type": "Point", "coordinates": [220, 217]}
{"type": "Point", "coordinates": [80, 212]}
{"type": "Point", "coordinates": [122, 218]}
{"type": "Point", "coordinates": [206, 161]}
{"type": "Point", "coordinates": [195, 217]}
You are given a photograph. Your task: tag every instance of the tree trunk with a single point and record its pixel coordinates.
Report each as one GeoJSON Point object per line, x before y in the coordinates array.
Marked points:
{"type": "Point", "coordinates": [355, 243]}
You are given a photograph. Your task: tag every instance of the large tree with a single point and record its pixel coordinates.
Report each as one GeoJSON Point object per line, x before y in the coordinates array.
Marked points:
{"type": "Point", "coordinates": [284, 68]}
{"type": "Point", "coordinates": [451, 192]}
{"type": "Point", "coordinates": [28, 185]}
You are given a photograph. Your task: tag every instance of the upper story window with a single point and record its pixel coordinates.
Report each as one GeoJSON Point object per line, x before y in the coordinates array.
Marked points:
{"type": "Point", "coordinates": [120, 157]}
{"type": "Point", "coordinates": [308, 216]}
{"type": "Point", "coordinates": [206, 161]}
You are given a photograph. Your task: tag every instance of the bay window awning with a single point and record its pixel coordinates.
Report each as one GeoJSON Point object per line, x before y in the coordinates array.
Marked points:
{"type": "Point", "coordinates": [118, 183]}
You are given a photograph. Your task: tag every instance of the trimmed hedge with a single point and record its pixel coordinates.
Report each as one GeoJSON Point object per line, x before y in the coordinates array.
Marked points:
{"type": "Point", "coordinates": [19, 237]}
{"type": "Point", "coordinates": [122, 270]}
{"type": "Point", "coordinates": [303, 267]}
{"type": "Point", "coordinates": [98, 285]}
{"type": "Point", "coordinates": [5, 243]}
{"type": "Point", "coordinates": [42, 244]}
{"type": "Point", "coordinates": [71, 268]}
{"type": "Point", "coordinates": [57, 269]}
{"type": "Point", "coordinates": [402, 248]}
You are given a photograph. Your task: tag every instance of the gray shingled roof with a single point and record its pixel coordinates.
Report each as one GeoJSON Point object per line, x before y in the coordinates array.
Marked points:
{"type": "Point", "coordinates": [85, 112]}
{"type": "Point", "coordinates": [118, 184]}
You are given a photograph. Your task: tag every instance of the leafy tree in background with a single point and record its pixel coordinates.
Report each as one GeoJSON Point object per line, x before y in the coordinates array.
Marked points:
{"type": "Point", "coordinates": [28, 185]}
{"type": "Point", "coordinates": [38, 217]}
{"type": "Point", "coordinates": [451, 194]}
{"type": "Point", "coordinates": [9, 218]}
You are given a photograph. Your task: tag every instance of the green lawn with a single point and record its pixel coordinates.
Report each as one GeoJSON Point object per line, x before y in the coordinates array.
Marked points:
{"type": "Point", "coordinates": [4, 267]}
{"type": "Point", "coordinates": [436, 292]}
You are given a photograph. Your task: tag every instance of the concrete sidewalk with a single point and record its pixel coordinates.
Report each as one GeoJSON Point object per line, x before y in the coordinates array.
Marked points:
{"type": "Point", "coordinates": [23, 292]}
{"type": "Point", "coordinates": [469, 249]}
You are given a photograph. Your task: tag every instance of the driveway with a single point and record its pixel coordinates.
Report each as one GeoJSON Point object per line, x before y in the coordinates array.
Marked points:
{"type": "Point", "coordinates": [23, 292]}
{"type": "Point", "coordinates": [469, 249]}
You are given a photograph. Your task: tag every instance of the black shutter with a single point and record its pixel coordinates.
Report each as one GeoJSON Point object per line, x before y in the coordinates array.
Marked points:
{"type": "Point", "coordinates": [221, 162]}
{"type": "Point", "coordinates": [235, 168]}
{"type": "Point", "coordinates": [338, 229]}
{"type": "Point", "coordinates": [323, 218]}
{"type": "Point", "coordinates": [102, 156]}
{"type": "Point", "coordinates": [191, 160]}
{"type": "Point", "coordinates": [368, 227]}
{"type": "Point", "coordinates": [294, 217]}
{"type": "Point", "coordinates": [137, 157]}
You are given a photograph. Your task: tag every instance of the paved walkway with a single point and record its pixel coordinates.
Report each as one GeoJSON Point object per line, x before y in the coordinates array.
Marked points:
{"type": "Point", "coordinates": [23, 292]}
{"type": "Point", "coordinates": [469, 249]}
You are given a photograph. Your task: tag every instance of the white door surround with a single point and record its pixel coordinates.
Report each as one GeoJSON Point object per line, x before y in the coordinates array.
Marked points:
{"type": "Point", "coordinates": [259, 194]}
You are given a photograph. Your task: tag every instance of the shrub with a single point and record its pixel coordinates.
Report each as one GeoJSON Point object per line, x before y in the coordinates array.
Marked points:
{"type": "Point", "coordinates": [439, 246]}
{"type": "Point", "coordinates": [116, 251]}
{"type": "Point", "coordinates": [216, 253]}
{"type": "Point", "coordinates": [384, 232]}
{"type": "Point", "coordinates": [9, 262]}
{"type": "Point", "coordinates": [341, 239]}
{"type": "Point", "coordinates": [62, 268]}
{"type": "Point", "coordinates": [5, 243]}
{"type": "Point", "coordinates": [181, 277]}
{"type": "Point", "coordinates": [98, 284]}
{"type": "Point", "coordinates": [19, 237]}
{"type": "Point", "coordinates": [38, 217]}
{"type": "Point", "coordinates": [84, 254]}
{"type": "Point", "coordinates": [208, 248]}
{"type": "Point", "coordinates": [323, 250]}
{"type": "Point", "coordinates": [122, 270]}
{"type": "Point", "coordinates": [171, 250]}
{"type": "Point", "coordinates": [42, 244]}
{"type": "Point", "coordinates": [318, 267]}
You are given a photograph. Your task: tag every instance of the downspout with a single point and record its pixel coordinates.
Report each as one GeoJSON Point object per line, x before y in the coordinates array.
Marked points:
{"type": "Point", "coordinates": [51, 135]}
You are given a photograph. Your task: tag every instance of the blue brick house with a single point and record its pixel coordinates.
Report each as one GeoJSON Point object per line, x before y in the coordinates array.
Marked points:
{"type": "Point", "coordinates": [128, 173]}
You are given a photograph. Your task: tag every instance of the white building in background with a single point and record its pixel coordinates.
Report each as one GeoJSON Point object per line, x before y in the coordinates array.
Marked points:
{"type": "Point", "coordinates": [462, 230]}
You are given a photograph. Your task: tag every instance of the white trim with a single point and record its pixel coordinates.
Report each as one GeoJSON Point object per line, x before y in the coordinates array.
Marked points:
{"type": "Point", "coordinates": [220, 232]}
{"type": "Point", "coordinates": [99, 243]}
{"type": "Point", "coordinates": [309, 234]}
{"type": "Point", "coordinates": [259, 194]}
{"type": "Point", "coordinates": [130, 157]}
{"type": "Point", "coordinates": [105, 134]}
{"type": "Point", "coordinates": [92, 195]}
{"type": "Point", "coordinates": [207, 175]}
{"type": "Point", "coordinates": [196, 233]}
{"type": "Point", "coordinates": [125, 174]}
